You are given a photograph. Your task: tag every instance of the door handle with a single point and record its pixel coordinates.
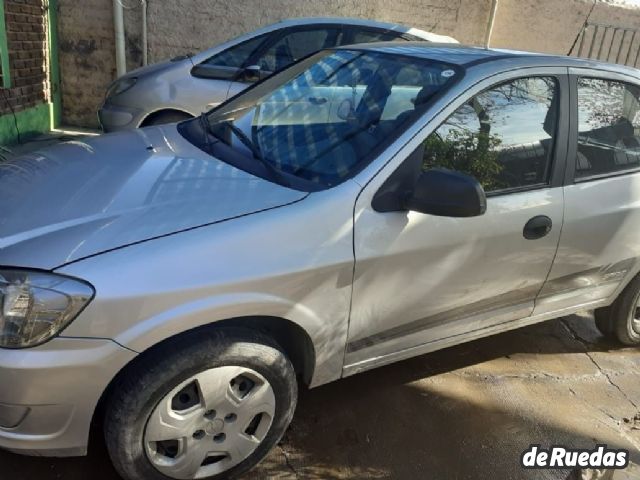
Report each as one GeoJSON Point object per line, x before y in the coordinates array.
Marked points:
{"type": "Point", "coordinates": [317, 100]}
{"type": "Point", "coordinates": [537, 227]}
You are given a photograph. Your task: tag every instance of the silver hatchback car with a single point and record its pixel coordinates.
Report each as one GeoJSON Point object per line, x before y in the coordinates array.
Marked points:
{"type": "Point", "coordinates": [186, 86]}
{"type": "Point", "coordinates": [362, 206]}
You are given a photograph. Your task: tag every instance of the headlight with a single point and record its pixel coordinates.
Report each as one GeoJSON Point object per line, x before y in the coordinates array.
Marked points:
{"type": "Point", "coordinates": [36, 306]}
{"type": "Point", "coordinates": [120, 86]}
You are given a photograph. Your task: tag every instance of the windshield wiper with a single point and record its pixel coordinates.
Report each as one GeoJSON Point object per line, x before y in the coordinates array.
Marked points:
{"type": "Point", "coordinates": [206, 129]}
{"type": "Point", "coordinates": [255, 150]}
{"type": "Point", "coordinates": [246, 141]}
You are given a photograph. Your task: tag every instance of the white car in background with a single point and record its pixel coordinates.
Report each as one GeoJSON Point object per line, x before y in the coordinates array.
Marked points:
{"type": "Point", "coordinates": [186, 86]}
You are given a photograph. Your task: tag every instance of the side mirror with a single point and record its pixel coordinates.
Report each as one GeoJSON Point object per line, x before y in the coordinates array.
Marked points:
{"type": "Point", "coordinates": [252, 73]}
{"type": "Point", "coordinates": [446, 193]}
{"type": "Point", "coordinates": [215, 72]}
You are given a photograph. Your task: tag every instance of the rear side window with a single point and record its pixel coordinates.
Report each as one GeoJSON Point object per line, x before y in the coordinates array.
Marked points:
{"type": "Point", "coordinates": [504, 137]}
{"type": "Point", "coordinates": [608, 127]}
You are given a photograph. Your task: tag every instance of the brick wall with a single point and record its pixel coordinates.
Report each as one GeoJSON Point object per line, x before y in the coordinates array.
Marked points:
{"type": "Point", "coordinates": [27, 44]}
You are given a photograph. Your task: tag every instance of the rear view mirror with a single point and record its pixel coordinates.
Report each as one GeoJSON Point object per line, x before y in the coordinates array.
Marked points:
{"type": "Point", "coordinates": [252, 73]}
{"type": "Point", "coordinates": [345, 110]}
{"type": "Point", "coordinates": [446, 193]}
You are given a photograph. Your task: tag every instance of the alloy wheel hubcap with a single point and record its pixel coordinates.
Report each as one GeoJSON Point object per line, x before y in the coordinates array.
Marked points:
{"type": "Point", "coordinates": [209, 423]}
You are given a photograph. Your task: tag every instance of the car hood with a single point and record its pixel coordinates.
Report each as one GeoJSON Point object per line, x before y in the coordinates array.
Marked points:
{"type": "Point", "coordinates": [156, 68]}
{"type": "Point", "coordinates": [82, 198]}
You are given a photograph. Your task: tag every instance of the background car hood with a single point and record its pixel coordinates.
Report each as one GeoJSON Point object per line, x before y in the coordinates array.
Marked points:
{"type": "Point", "coordinates": [156, 68]}
{"type": "Point", "coordinates": [82, 198]}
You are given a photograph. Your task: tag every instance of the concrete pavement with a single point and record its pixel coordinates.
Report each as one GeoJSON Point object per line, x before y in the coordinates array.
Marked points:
{"type": "Point", "coordinates": [467, 412]}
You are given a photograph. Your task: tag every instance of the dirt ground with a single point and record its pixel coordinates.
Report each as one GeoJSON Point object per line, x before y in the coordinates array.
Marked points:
{"type": "Point", "coordinates": [467, 412]}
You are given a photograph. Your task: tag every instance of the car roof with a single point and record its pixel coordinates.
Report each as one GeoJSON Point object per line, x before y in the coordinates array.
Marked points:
{"type": "Point", "coordinates": [467, 56]}
{"type": "Point", "coordinates": [428, 36]}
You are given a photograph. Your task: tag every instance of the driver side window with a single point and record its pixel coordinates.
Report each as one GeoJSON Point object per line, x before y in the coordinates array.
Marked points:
{"type": "Point", "coordinates": [504, 136]}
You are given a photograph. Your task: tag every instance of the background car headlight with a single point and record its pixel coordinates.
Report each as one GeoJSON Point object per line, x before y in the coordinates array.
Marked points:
{"type": "Point", "coordinates": [36, 306]}
{"type": "Point", "coordinates": [120, 86]}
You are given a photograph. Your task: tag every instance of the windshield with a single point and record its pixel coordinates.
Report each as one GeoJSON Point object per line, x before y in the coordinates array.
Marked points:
{"type": "Point", "coordinates": [322, 120]}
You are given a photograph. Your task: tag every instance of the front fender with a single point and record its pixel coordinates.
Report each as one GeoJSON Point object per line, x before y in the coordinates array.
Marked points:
{"type": "Point", "coordinates": [328, 345]}
{"type": "Point", "coordinates": [275, 263]}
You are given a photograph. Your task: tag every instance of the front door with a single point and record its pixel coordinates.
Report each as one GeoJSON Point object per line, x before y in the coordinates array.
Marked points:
{"type": "Point", "coordinates": [422, 280]}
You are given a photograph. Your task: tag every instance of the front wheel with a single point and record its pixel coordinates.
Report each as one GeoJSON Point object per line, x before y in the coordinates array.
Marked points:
{"type": "Point", "coordinates": [621, 321]}
{"type": "Point", "coordinates": [205, 408]}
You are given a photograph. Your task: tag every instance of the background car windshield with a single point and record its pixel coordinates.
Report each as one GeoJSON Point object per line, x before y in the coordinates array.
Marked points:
{"type": "Point", "coordinates": [323, 122]}
{"type": "Point", "coordinates": [295, 45]}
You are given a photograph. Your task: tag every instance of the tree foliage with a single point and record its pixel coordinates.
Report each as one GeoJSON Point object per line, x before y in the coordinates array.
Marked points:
{"type": "Point", "coordinates": [475, 154]}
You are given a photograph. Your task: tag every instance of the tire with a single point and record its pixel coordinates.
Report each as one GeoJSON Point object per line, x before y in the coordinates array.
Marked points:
{"type": "Point", "coordinates": [617, 321]}
{"type": "Point", "coordinates": [163, 118]}
{"type": "Point", "coordinates": [602, 317]}
{"type": "Point", "coordinates": [195, 368]}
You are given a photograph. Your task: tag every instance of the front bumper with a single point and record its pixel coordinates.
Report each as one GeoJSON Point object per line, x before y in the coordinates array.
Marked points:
{"type": "Point", "coordinates": [48, 394]}
{"type": "Point", "coordinates": [116, 117]}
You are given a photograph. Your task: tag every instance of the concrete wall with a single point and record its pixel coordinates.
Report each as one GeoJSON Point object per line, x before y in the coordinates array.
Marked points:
{"type": "Point", "coordinates": [204, 23]}
{"type": "Point", "coordinates": [86, 56]}
{"type": "Point", "coordinates": [552, 26]}
{"type": "Point", "coordinates": [181, 26]}
{"type": "Point", "coordinates": [25, 103]}
{"type": "Point", "coordinates": [85, 29]}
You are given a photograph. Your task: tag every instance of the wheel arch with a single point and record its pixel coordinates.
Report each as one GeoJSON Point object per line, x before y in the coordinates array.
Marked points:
{"type": "Point", "coordinates": [162, 111]}
{"type": "Point", "coordinates": [292, 338]}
